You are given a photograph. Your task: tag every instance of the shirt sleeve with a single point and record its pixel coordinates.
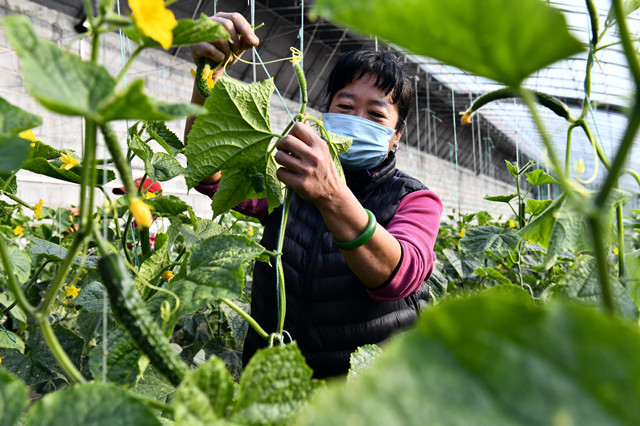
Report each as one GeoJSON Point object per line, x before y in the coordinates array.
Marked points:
{"type": "Point", "coordinates": [258, 208]}
{"type": "Point", "coordinates": [415, 225]}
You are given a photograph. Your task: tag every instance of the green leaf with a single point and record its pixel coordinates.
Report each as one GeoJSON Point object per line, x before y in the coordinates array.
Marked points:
{"type": "Point", "coordinates": [91, 297]}
{"type": "Point", "coordinates": [153, 385]}
{"type": "Point", "coordinates": [502, 40]}
{"type": "Point", "coordinates": [162, 167]}
{"type": "Point", "coordinates": [186, 33]}
{"type": "Point", "coordinates": [140, 148]}
{"type": "Point", "coordinates": [122, 359]}
{"type": "Point", "coordinates": [96, 404]}
{"type": "Point", "coordinates": [22, 366]}
{"type": "Point", "coordinates": [159, 131]}
{"type": "Point", "coordinates": [225, 250]}
{"type": "Point", "coordinates": [21, 263]}
{"type": "Point", "coordinates": [131, 103]}
{"type": "Point", "coordinates": [167, 206]}
{"type": "Point", "coordinates": [237, 186]}
{"type": "Point", "coordinates": [501, 198]}
{"type": "Point", "coordinates": [42, 150]}
{"type": "Point", "coordinates": [582, 283]}
{"type": "Point", "coordinates": [488, 238]}
{"type": "Point", "coordinates": [204, 394]}
{"type": "Point", "coordinates": [513, 168]}
{"type": "Point", "coordinates": [13, 151]}
{"type": "Point", "coordinates": [235, 132]}
{"type": "Point", "coordinates": [628, 6]}
{"type": "Point", "coordinates": [464, 266]}
{"type": "Point", "coordinates": [70, 342]}
{"type": "Point", "coordinates": [14, 120]}
{"type": "Point", "coordinates": [559, 228]}
{"type": "Point", "coordinates": [237, 324]}
{"type": "Point", "coordinates": [13, 398]}
{"type": "Point", "coordinates": [275, 188]}
{"type": "Point", "coordinates": [190, 32]}
{"type": "Point", "coordinates": [204, 229]}
{"type": "Point", "coordinates": [52, 169]}
{"type": "Point", "coordinates": [536, 207]}
{"type": "Point", "coordinates": [274, 387]}
{"type": "Point", "coordinates": [59, 80]}
{"type": "Point", "coordinates": [540, 177]}
{"type": "Point", "coordinates": [492, 274]}
{"type": "Point", "coordinates": [468, 357]}
{"type": "Point", "coordinates": [52, 251]}
{"type": "Point", "coordinates": [361, 359]}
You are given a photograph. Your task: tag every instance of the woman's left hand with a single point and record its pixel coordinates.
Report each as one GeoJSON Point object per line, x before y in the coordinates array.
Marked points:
{"type": "Point", "coordinates": [307, 167]}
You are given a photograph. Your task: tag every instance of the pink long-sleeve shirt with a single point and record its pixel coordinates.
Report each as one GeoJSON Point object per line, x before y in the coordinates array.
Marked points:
{"type": "Point", "coordinates": [415, 225]}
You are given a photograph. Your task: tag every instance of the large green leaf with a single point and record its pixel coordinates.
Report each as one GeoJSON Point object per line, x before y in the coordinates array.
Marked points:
{"type": "Point", "coordinates": [94, 404]}
{"type": "Point", "coordinates": [361, 359]}
{"type": "Point", "coordinates": [204, 394]}
{"type": "Point", "coordinates": [122, 358]}
{"type": "Point", "coordinates": [581, 282]}
{"type": "Point", "coordinates": [464, 266]}
{"type": "Point", "coordinates": [494, 360]}
{"type": "Point", "coordinates": [628, 6]}
{"type": "Point", "coordinates": [41, 353]}
{"type": "Point", "coordinates": [14, 120]}
{"type": "Point", "coordinates": [239, 184]}
{"type": "Point", "coordinates": [25, 368]}
{"type": "Point", "coordinates": [274, 387]}
{"type": "Point", "coordinates": [225, 250]}
{"type": "Point", "coordinates": [488, 238]}
{"type": "Point", "coordinates": [13, 398]}
{"type": "Point", "coordinates": [234, 132]}
{"type": "Point", "coordinates": [66, 84]}
{"type": "Point", "coordinates": [503, 40]}
{"type": "Point", "coordinates": [540, 177]}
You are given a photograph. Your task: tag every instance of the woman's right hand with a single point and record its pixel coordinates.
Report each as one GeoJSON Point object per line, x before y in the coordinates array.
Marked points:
{"type": "Point", "coordinates": [241, 35]}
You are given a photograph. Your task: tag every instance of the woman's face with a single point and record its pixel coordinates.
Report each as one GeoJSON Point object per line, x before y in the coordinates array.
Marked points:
{"type": "Point", "coordinates": [362, 98]}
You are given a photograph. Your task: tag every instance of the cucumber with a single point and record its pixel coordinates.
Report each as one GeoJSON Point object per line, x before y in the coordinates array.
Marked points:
{"type": "Point", "coordinates": [208, 65]}
{"type": "Point", "coordinates": [130, 310]}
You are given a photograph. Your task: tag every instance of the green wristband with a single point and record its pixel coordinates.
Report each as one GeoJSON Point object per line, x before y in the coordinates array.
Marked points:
{"type": "Point", "coordinates": [362, 238]}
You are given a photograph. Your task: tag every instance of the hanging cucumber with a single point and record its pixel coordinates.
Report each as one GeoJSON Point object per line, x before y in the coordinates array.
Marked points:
{"type": "Point", "coordinates": [130, 310]}
{"type": "Point", "coordinates": [204, 76]}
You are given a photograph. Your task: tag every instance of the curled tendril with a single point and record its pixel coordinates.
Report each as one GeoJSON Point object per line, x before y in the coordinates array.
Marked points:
{"type": "Point", "coordinates": [296, 56]}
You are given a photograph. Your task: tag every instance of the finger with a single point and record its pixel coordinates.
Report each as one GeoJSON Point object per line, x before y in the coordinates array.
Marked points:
{"type": "Point", "coordinates": [294, 146]}
{"type": "Point", "coordinates": [240, 31]}
{"type": "Point", "coordinates": [290, 162]}
{"type": "Point", "coordinates": [306, 134]}
{"type": "Point", "coordinates": [208, 50]}
{"type": "Point", "coordinates": [288, 178]}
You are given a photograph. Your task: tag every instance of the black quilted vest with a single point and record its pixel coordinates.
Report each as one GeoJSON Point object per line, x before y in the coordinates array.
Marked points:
{"type": "Point", "coordinates": [329, 312]}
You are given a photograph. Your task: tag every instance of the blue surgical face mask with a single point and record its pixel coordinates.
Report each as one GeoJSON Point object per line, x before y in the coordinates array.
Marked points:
{"type": "Point", "coordinates": [370, 140]}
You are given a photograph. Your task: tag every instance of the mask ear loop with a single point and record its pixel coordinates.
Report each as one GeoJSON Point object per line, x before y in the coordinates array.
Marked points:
{"type": "Point", "coordinates": [394, 149]}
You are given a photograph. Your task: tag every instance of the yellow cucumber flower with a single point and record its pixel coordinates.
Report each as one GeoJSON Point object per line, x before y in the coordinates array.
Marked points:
{"type": "Point", "coordinates": [18, 230]}
{"type": "Point", "coordinates": [466, 117]}
{"type": "Point", "coordinates": [28, 135]}
{"type": "Point", "coordinates": [207, 75]}
{"type": "Point", "coordinates": [154, 20]}
{"type": "Point", "coordinates": [167, 275]}
{"type": "Point", "coordinates": [149, 195]}
{"type": "Point", "coordinates": [38, 209]}
{"type": "Point", "coordinates": [68, 162]}
{"type": "Point", "coordinates": [141, 212]}
{"type": "Point", "coordinates": [615, 250]}
{"type": "Point", "coordinates": [462, 232]}
{"type": "Point", "coordinates": [296, 56]}
{"type": "Point", "coordinates": [511, 223]}
{"type": "Point", "coordinates": [72, 291]}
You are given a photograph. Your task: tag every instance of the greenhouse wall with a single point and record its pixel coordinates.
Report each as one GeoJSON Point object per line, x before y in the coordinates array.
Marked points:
{"type": "Point", "coordinates": [168, 78]}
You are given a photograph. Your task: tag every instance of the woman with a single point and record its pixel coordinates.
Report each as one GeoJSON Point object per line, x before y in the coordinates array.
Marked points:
{"type": "Point", "coordinates": [356, 255]}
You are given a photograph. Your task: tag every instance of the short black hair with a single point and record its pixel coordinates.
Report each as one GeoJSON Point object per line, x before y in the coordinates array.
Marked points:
{"type": "Point", "coordinates": [385, 66]}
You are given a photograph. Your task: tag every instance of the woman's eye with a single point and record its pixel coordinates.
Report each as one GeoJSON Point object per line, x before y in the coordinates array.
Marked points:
{"type": "Point", "coordinates": [343, 106]}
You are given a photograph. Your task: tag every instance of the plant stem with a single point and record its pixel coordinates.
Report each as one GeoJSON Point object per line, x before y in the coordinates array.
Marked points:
{"type": "Point", "coordinates": [129, 62]}
{"type": "Point", "coordinates": [16, 199]}
{"type": "Point", "coordinates": [14, 286]}
{"type": "Point", "coordinates": [153, 403]}
{"type": "Point", "coordinates": [597, 230]}
{"type": "Point", "coordinates": [282, 301]}
{"type": "Point", "coordinates": [26, 288]}
{"type": "Point", "coordinates": [247, 318]}
{"type": "Point", "coordinates": [58, 351]}
{"type": "Point", "coordinates": [622, 267]}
